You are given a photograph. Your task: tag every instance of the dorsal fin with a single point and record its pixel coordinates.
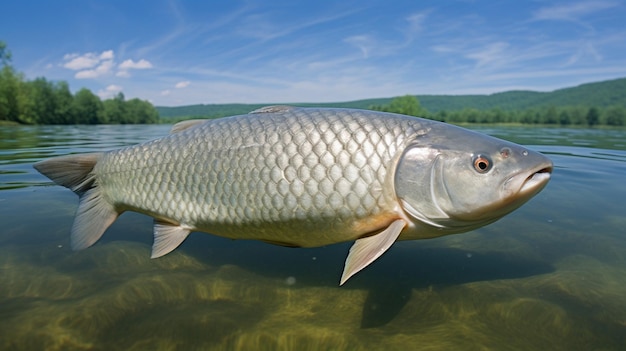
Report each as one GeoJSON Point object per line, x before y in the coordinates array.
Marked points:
{"type": "Point", "coordinates": [184, 125]}
{"type": "Point", "coordinates": [273, 109]}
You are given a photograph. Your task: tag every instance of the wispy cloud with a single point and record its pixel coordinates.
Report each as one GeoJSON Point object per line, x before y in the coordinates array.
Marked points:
{"type": "Point", "coordinates": [364, 43]}
{"type": "Point", "coordinates": [183, 84]}
{"type": "Point", "coordinates": [491, 54]}
{"type": "Point", "coordinates": [572, 11]}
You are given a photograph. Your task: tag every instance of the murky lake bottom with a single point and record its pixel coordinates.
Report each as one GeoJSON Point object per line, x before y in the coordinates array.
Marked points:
{"type": "Point", "coordinates": [549, 276]}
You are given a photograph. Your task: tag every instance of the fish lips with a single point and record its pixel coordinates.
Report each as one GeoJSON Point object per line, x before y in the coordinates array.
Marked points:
{"type": "Point", "coordinates": [524, 185]}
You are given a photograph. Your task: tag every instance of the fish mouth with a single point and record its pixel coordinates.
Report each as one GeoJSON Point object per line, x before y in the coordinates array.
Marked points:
{"type": "Point", "coordinates": [537, 180]}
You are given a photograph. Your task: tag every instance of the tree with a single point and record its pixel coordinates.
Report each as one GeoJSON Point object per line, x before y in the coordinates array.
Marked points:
{"type": "Point", "coordinates": [564, 118]}
{"type": "Point", "coordinates": [470, 115]}
{"type": "Point", "coordinates": [5, 54]}
{"type": "Point", "coordinates": [141, 111]}
{"type": "Point", "coordinates": [87, 107]}
{"type": "Point", "coordinates": [442, 116]}
{"type": "Point", "coordinates": [497, 116]}
{"type": "Point", "coordinates": [615, 116]}
{"type": "Point", "coordinates": [406, 105]}
{"type": "Point", "coordinates": [551, 116]}
{"type": "Point", "coordinates": [578, 114]}
{"type": "Point", "coordinates": [115, 109]}
{"type": "Point", "coordinates": [11, 85]}
{"type": "Point", "coordinates": [43, 101]}
{"type": "Point", "coordinates": [64, 101]}
{"type": "Point", "coordinates": [527, 117]}
{"type": "Point", "coordinates": [593, 117]}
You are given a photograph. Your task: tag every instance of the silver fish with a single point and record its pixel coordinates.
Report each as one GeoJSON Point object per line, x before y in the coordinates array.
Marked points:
{"type": "Point", "coordinates": [304, 177]}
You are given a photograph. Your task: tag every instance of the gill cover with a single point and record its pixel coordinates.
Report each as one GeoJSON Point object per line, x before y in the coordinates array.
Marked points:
{"type": "Point", "coordinates": [419, 185]}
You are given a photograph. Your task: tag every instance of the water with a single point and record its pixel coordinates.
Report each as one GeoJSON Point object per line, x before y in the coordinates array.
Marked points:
{"type": "Point", "coordinates": [550, 276]}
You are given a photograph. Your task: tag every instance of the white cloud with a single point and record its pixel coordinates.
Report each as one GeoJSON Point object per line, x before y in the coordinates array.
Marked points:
{"type": "Point", "coordinates": [89, 65]}
{"type": "Point", "coordinates": [78, 62]}
{"type": "Point", "coordinates": [127, 65]}
{"type": "Point", "coordinates": [102, 69]}
{"type": "Point", "coordinates": [93, 65]}
{"type": "Point", "coordinates": [130, 64]}
{"type": "Point", "coordinates": [114, 88]}
{"type": "Point", "coordinates": [183, 84]}
{"type": "Point", "coordinates": [82, 62]}
{"type": "Point", "coordinates": [109, 91]}
{"type": "Point", "coordinates": [107, 55]}
{"type": "Point", "coordinates": [86, 74]}
{"type": "Point", "coordinates": [165, 93]}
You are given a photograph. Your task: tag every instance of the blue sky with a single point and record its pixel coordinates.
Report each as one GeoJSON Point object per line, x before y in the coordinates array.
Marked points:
{"type": "Point", "coordinates": [190, 52]}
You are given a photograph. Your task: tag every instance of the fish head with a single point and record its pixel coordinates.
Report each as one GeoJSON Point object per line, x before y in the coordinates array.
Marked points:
{"type": "Point", "coordinates": [457, 180]}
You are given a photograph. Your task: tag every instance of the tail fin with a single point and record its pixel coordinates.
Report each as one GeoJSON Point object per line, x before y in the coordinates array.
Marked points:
{"type": "Point", "coordinates": [94, 214]}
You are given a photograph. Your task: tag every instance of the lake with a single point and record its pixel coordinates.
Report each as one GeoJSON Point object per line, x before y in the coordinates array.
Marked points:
{"type": "Point", "coordinates": [549, 276]}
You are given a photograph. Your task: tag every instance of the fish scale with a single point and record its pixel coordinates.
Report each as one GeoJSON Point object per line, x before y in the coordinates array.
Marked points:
{"type": "Point", "coordinates": [315, 174]}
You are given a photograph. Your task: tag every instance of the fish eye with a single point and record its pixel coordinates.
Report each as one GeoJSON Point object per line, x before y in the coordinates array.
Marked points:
{"type": "Point", "coordinates": [482, 164]}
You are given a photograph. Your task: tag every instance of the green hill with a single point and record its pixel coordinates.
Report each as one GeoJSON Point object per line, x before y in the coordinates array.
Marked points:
{"type": "Point", "coordinates": [599, 94]}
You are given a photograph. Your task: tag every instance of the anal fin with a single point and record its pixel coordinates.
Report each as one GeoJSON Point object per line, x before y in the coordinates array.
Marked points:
{"type": "Point", "coordinates": [167, 237]}
{"type": "Point", "coordinates": [367, 250]}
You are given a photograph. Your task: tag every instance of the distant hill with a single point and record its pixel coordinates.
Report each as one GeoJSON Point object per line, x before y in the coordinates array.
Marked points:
{"type": "Point", "coordinates": [599, 94]}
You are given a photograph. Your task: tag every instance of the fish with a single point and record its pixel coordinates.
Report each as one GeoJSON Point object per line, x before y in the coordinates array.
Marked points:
{"type": "Point", "coordinates": [304, 177]}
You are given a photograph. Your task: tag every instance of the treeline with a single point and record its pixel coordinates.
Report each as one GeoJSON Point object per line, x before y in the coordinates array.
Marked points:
{"type": "Point", "coordinates": [562, 115]}
{"type": "Point", "coordinates": [41, 101]}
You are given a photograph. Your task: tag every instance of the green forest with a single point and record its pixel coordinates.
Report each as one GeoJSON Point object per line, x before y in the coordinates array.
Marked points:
{"type": "Point", "coordinates": [600, 103]}
{"type": "Point", "coordinates": [41, 101]}
{"type": "Point", "coordinates": [579, 115]}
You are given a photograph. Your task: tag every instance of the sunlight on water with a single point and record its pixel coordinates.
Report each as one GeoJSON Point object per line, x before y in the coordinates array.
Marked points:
{"type": "Point", "coordinates": [550, 276]}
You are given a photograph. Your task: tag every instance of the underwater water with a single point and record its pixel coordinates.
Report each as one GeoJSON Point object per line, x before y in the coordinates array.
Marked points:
{"type": "Point", "coordinates": [549, 276]}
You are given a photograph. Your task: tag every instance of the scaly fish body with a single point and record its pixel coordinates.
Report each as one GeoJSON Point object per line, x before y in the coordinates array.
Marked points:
{"type": "Point", "coordinates": [303, 177]}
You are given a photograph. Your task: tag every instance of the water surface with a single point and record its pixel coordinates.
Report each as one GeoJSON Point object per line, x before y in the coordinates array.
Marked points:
{"type": "Point", "coordinates": [550, 276]}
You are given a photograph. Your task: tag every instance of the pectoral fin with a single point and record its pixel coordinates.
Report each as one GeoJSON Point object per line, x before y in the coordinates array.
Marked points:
{"type": "Point", "coordinates": [167, 237]}
{"type": "Point", "coordinates": [367, 250]}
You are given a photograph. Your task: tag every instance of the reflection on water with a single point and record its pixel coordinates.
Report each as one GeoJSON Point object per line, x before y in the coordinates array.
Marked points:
{"type": "Point", "coordinates": [550, 276]}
